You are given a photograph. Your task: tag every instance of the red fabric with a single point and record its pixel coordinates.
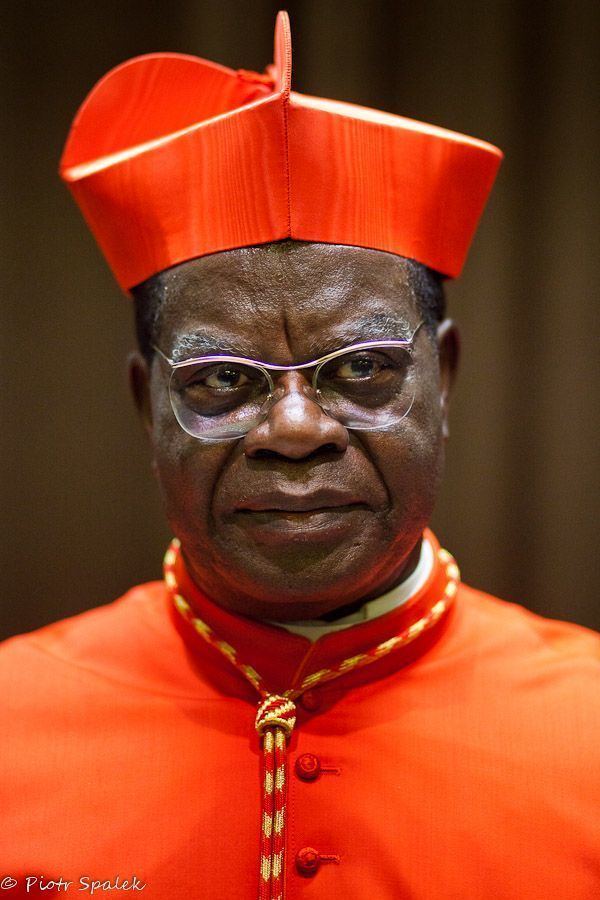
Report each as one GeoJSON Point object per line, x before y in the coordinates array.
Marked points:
{"type": "Point", "coordinates": [465, 766]}
{"type": "Point", "coordinates": [276, 715]}
{"type": "Point", "coordinates": [171, 157]}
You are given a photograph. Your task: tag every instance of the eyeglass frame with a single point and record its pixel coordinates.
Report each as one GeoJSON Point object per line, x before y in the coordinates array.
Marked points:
{"type": "Point", "coordinates": [267, 368]}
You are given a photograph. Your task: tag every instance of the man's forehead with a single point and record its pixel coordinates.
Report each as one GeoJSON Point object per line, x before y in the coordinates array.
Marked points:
{"type": "Point", "coordinates": [304, 288]}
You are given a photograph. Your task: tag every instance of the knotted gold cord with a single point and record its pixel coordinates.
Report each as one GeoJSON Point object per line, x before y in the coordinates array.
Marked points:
{"type": "Point", "coordinates": [275, 719]}
{"type": "Point", "coordinates": [276, 714]}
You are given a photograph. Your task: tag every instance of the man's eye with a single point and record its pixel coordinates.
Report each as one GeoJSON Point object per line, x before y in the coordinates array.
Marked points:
{"type": "Point", "coordinates": [359, 366]}
{"type": "Point", "coordinates": [224, 378]}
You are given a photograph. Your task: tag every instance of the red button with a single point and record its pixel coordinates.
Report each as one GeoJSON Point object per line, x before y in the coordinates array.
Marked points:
{"type": "Point", "coordinates": [307, 862]}
{"type": "Point", "coordinates": [310, 701]}
{"type": "Point", "coordinates": [308, 767]}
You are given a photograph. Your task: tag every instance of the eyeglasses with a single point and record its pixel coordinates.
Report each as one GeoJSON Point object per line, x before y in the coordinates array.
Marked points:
{"type": "Point", "coordinates": [368, 386]}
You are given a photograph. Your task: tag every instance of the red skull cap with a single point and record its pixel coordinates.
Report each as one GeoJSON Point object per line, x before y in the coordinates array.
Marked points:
{"type": "Point", "coordinates": [171, 157]}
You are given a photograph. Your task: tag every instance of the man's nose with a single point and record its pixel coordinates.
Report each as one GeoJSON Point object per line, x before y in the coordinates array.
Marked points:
{"type": "Point", "coordinates": [296, 425]}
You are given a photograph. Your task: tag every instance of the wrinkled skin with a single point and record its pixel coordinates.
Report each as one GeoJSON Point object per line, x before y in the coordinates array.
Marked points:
{"type": "Point", "coordinates": [288, 307]}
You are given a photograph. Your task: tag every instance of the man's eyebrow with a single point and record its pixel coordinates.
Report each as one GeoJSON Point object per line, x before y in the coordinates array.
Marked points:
{"type": "Point", "coordinates": [377, 326]}
{"type": "Point", "coordinates": [199, 343]}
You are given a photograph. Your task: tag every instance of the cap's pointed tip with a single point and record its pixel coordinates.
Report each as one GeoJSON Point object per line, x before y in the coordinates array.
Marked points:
{"type": "Point", "coordinates": [283, 52]}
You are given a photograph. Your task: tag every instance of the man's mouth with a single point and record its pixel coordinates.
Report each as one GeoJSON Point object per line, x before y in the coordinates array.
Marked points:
{"type": "Point", "coordinates": [300, 502]}
{"type": "Point", "coordinates": [318, 516]}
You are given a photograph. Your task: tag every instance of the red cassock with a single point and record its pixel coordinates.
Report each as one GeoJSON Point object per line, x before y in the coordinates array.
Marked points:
{"type": "Point", "coordinates": [465, 764]}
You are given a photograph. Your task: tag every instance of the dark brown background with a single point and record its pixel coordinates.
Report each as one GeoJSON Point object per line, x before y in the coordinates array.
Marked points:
{"type": "Point", "coordinates": [81, 516]}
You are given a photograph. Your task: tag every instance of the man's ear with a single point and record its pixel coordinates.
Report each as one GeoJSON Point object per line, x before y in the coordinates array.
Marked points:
{"type": "Point", "coordinates": [448, 338]}
{"type": "Point", "coordinates": [139, 382]}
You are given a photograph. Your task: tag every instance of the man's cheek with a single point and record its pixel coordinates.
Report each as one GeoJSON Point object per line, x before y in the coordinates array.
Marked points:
{"type": "Point", "coordinates": [187, 511]}
{"type": "Point", "coordinates": [412, 468]}
{"type": "Point", "coordinates": [412, 447]}
{"type": "Point", "coordinates": [187, 474]}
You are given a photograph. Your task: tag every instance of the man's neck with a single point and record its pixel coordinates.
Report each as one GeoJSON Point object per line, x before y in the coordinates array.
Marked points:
{"type": "Point", "coordinates": [342, 611]}
{"type": "Point", "coordinates": [357, 613]}
{"type": "Point", "coordinates": [209, 583]}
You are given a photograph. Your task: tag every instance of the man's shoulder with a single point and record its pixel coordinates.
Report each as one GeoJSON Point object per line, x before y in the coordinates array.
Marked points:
{"type": "Point", "coordinates": [534, 680]}
{"type": "Point", "coordinates": [87, 621]}
{"type": "Point", "coordinates": [519, 615]}
{"type": "Point", "coordinates": [102, 633]}
{"type": "Point", "coordinates": [510, 631]}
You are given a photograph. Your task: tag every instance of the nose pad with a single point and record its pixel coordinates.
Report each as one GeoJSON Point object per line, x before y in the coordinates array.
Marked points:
{"type": "Point", "coordinates": [326, 409]}
{"type": "Point", "coordinates": [274, 397]}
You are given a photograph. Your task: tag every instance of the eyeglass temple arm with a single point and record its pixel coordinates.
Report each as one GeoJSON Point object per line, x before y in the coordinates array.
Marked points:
{"type": "Point", "coordinates": [164, 355]}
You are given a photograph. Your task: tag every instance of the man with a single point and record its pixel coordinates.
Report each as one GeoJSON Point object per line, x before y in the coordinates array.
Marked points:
{"type": "Point", "coordinates": [311, 704]}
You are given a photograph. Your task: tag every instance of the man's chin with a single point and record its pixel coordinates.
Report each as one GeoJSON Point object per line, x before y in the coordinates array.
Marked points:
{"type": "Point", "coordinates": [302, 572]}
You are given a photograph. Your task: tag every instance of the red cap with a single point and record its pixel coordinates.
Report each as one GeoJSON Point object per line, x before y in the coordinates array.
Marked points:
{"type": "Point", "coordinates": [172, 157]}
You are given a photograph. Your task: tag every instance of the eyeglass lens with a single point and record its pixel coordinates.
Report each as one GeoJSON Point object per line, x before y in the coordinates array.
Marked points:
{"type": "Point", "coordinates": [368, 388]}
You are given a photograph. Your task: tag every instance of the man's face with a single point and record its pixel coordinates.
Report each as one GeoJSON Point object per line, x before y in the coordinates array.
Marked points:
{"type": "Point", "coordinates": [301, 516]}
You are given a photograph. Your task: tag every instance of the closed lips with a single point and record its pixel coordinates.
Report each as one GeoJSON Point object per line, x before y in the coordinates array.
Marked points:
{"type": "Point", "coordinates": [277, 501]}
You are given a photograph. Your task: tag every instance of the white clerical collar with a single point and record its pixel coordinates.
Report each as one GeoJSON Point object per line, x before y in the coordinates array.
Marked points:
{"type": "Point", "coordinates": [316, 628]}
